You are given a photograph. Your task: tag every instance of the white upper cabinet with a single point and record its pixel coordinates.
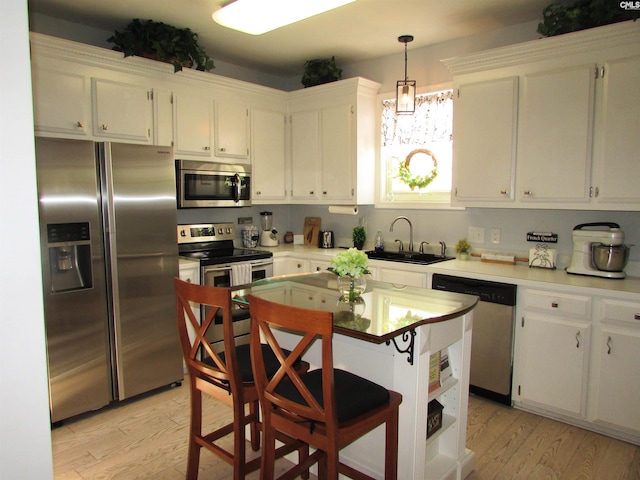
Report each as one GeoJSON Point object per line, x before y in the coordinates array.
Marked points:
{"type": "Point", "coordinates": [163, 117]}
{"type": "Point", "coordinates": [193, 125]}
{"type": "Point", "coordinates": [122, 111]}
{"type": "Point", "coordinates": [61, 103]}
{"type": "Point", "coordinates": [576, 115]}
{"type": "Point", "coordinates": [486, 119]}
{"type": "Point", "coordinates": [333, 142]}
{"type": "Point", "coordinates": [556, 121]}
{"type": "Point", "coordinates": [231, 130]}
{"type": "Point", "coordinates": [616, 178]}
{"type": "Point", "coordinates": [268, 152]}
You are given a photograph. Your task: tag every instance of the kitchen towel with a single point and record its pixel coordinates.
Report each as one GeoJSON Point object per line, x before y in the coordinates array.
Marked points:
{"type": "Point", "coordinates": [240, 274]}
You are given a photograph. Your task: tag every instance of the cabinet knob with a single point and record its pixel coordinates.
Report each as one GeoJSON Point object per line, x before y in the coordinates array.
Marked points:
{"type": "Point", "coordinates": [636, 316]}
{"type": "Point", "coordinates": [222, 149]}
{"type": "Point", "coordinates": [79, 124]}
{"type": "Point", "coordinates": [317, 269]}
{"type": "Point", "coordinates": [258, 193]}
{"type": "Point", "coordinates": [311, 192]}
{"type": "Point", "coordinates": [207, 148]}
{"type": "Point", "coordinates": [104, 126]}
{"type": "Point", "coordinates": [578, 339]}
{"type": "Point", "coordinates": [324, 193]}
{"type": "Point", "coordinates": [299, 265]}
{"type": "Point", "coordinates": [504, 192]}
{"type": "Point", "coordinates": [528, 193]}
{"type": "Point", "coordinates": [554, 304]}
{"type": "Point", "coordinates": [608, 345]}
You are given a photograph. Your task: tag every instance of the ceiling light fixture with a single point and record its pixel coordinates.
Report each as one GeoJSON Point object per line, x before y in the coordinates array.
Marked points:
{"type": "Point", "coordinates": [405, 89]}
{"type": "Point", "coordinates": [260, 16]}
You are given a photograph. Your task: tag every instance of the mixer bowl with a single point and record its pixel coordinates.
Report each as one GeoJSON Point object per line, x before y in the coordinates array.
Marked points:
{"type": "Point", "coordinates": [609, 258]}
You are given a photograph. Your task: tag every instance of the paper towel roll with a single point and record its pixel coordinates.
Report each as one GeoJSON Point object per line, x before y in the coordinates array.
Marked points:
{"type": "Point", "coordinates": [344, 209]}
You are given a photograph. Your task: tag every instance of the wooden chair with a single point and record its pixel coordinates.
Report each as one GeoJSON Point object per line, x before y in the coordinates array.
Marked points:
{"type": "Point", "coordinates": [327, 408]}
{"type": "Point", "coordinates": [226, 375]}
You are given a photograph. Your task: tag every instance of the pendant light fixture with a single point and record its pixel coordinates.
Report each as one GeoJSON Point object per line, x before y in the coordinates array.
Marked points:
{"type": "Point", "coordinates": [405, 89]}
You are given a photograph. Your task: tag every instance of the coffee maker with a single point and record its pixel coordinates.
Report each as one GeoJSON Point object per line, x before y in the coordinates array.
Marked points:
{"type": "Point", "coordinates": [587, 239]}
{"type": "Point", "coordinates": [268, 236]}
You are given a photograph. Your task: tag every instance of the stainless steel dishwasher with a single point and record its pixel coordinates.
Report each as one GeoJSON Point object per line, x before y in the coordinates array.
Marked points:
{"type": "Point", "coordinates": [492, 336]}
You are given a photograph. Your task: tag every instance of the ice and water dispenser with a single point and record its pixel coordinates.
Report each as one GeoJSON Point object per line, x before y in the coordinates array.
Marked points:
{"type": "Point", "coordinates": [69, 247]}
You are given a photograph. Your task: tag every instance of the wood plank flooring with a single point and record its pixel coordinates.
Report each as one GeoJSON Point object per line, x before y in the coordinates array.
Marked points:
{"type": "Point", "coordinates": [146, 438]}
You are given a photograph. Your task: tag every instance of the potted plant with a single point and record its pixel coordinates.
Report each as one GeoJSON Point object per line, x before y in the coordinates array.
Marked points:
{"type": "Point", "coordinates": [350, 266]}
{"type": "Point", "coordinates": [359, 236]}
{"type": "Point", "coordinates": [583, 14]}
{"type": "Point", "coordinates": [319, 71]}
{"type": "Point", "coordinates": [159, 41]}
{"type": "Point", "coordinates": [463, 247]}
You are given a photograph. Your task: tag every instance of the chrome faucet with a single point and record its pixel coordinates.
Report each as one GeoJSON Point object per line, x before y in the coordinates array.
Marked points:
{"type": "Point", "coordinates": [443, 249]}
{"type": "Point", "coordinates": [422, 244]}
{"type": "Point", "coordinates": [401, 246]}
{"type": "Point", "coordinates": [410, 230]}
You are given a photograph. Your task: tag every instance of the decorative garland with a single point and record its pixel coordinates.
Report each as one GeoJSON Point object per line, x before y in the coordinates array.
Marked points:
{"type": "Point", "coordinates": [411, 180]}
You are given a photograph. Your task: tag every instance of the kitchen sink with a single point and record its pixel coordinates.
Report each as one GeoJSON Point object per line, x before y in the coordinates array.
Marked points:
{"type": "Point", "coordinates": [407, 257]}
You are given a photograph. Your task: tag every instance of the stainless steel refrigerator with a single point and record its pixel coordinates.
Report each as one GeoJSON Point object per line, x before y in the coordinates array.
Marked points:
{"type": "Point", "coordinates": [109, 254]}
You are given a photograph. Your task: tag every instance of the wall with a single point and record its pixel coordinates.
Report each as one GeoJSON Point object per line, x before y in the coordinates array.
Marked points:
{"type": "Point", "coordinates": [25, 435]}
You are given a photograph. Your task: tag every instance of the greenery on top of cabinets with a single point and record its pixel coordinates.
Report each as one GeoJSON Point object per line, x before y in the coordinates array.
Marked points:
{"type": "Point", "coordinates": [583, 14]}
{"type": "Point", "coordinates": [159, 41]}
{"type": "Point", "coordinates": [317, 72]}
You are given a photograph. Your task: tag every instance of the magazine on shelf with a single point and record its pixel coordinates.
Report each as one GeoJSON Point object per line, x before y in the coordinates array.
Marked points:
{"type": "Point", "coordinates": [434, 372]}
{"type": "Point", "coordinates": [445, 366]}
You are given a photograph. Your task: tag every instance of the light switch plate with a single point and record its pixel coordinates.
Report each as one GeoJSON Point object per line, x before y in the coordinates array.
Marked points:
{"type": "Point", "coordinates": [476, 235]}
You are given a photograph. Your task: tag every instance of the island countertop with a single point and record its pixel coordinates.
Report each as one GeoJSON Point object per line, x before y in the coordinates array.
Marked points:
{"type": "Point", "coordinates": [384, 311]}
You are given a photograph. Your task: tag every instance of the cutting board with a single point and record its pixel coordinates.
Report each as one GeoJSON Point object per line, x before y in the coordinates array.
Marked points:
{"type": "Point", "coordinates": [311, 230]}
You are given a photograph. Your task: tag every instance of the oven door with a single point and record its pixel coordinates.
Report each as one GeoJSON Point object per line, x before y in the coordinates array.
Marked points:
{"type": "Point", "coordinates": [206, 184]}
{"type": "Point", "coordinates": [220, 276]}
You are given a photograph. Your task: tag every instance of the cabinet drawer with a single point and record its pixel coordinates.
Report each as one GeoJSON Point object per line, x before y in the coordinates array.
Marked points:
{"type": "Point", "coordinates": [628, 312]}
{"type": "Point", "coordinates": [558, 303]}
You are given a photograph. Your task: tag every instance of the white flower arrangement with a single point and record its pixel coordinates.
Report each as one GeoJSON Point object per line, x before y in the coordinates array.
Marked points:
{"type": "Point", "coordinates": [352, 263]}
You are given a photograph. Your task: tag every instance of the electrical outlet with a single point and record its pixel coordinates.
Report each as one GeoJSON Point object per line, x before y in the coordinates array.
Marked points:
{"type": "Point", "coordinates": [476, 235]}
{"type": "Point", "coordinates": [495, 235]}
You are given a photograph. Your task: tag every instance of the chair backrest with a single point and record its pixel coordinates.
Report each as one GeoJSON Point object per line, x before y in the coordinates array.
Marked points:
{"type": "Point", "coordinates": [309, 325]}
{"type": "Point", "coordinates": [222, 369]}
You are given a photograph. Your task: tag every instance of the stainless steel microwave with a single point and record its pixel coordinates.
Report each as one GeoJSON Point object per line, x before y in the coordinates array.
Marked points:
{"type": "Point", "coordinates": [208, 184]}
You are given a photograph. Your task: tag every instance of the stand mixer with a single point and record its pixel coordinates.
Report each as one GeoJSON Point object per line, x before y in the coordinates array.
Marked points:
{"type": "Point", "coordinates": [585, 237]}
{"type": "Point", "coordinates": [268, 236]}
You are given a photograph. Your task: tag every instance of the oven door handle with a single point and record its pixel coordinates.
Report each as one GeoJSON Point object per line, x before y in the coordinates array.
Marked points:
{"type": "Point", "coordinates": [265, 263]}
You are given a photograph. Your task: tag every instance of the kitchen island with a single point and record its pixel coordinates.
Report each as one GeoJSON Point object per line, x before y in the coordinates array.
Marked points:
{"type": "Point", "coordinates": [389, 337]}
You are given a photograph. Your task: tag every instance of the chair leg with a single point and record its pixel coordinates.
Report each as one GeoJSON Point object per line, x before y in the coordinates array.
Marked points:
{"type": "Point", "coordinates": [267, 463]}
{"type": "Point", "coordinates": [303, 454]}
{"type": "Point", "coordinates": [333, 463]}
{"type": "Point", "coordinates": [239, 446]}
{"type": "Point", "coordinates": [254, 409]}
{"type": "Point", "coordinates": [195, 430]}
{"type": "Point", "coordinates": [391, 447]}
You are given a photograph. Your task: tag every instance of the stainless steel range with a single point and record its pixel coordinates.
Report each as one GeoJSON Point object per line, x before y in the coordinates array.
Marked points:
{"type": "Point", "coordinates": [222, 265]}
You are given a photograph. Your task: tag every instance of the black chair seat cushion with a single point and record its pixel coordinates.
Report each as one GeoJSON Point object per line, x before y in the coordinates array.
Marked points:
{"type": "Point", "coordinates": [354, 395]}
{"type": "Point", "coordinates": [243, 353]}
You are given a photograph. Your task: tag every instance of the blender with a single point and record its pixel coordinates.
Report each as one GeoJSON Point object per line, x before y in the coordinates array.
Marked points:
{"type": "Point", "coordinates": [268, 235]}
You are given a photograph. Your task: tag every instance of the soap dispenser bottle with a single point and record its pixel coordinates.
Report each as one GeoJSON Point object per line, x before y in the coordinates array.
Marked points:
{"type": "Point", "coordinates": [379, 243]}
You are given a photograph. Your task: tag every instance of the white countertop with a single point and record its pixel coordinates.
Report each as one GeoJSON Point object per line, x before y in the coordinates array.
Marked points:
{"type": "Point", "coordinates": [519, 274]}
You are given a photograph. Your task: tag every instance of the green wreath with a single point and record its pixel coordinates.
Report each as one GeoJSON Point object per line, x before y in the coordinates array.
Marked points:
{"type": "Point", "coordinates": [411, 180]}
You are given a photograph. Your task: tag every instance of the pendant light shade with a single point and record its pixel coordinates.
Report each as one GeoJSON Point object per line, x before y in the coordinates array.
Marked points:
{"type": "Point", "coordinates": [405, 89]}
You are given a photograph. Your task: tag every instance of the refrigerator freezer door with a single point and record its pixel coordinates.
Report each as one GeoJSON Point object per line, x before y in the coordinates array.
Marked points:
{"type": "Point", "coordinates": [140, 229]}
{"type": "Point", "coordinates": [76, 319]}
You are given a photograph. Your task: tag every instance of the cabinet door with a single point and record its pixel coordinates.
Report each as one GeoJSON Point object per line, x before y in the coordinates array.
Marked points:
{"type": "Point", "coordinates": [319, 265]}
{"type": "Point", "coordinates": [617, 164]}
{"type": "Point", "coordinates": [286, 266]}
{"type": "Point", "coordinates": [305, 155]}
{"type": "Point", "coordinates": [193, 119]}
{"type": "Point", "coordinates": [231, 130]}
{"type": "Point", "coordinates": [555, 136]}
{"type": "Point", "coordinates": [61, 102]}
{"type": "Point", "coordinates": [122, 111]}
{"type": "Point", "coordinates": [269, 157]}
{"type": "Point", "coordinates": [162, 117]}
{"type": "Point", "coordinates": [552, 363]}
{"type": "Point", "coordinates": [402, 277]}
{"type": "Point", "coordinates": [618, 378]}
{"type": "Point", "coordinates": [484, 147]}
{"type": "Point", "coordinates": [338, 156]}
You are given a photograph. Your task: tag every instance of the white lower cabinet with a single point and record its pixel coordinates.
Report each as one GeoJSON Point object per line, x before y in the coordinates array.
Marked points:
{"type": "Point", "coordinates": [616, 374]}
{"type": "Point", "coordinates": [577, 359]}
{"type": "Point", "coordinates": [289, 265]}
{"type": "Point", "coordinates": [554, 373]}
{"type": "Point", "coordinates": [402, 277]}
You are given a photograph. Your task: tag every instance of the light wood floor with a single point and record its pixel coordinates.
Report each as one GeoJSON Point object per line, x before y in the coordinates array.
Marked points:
{"type": "Point", "coordinates": [147, 438]}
